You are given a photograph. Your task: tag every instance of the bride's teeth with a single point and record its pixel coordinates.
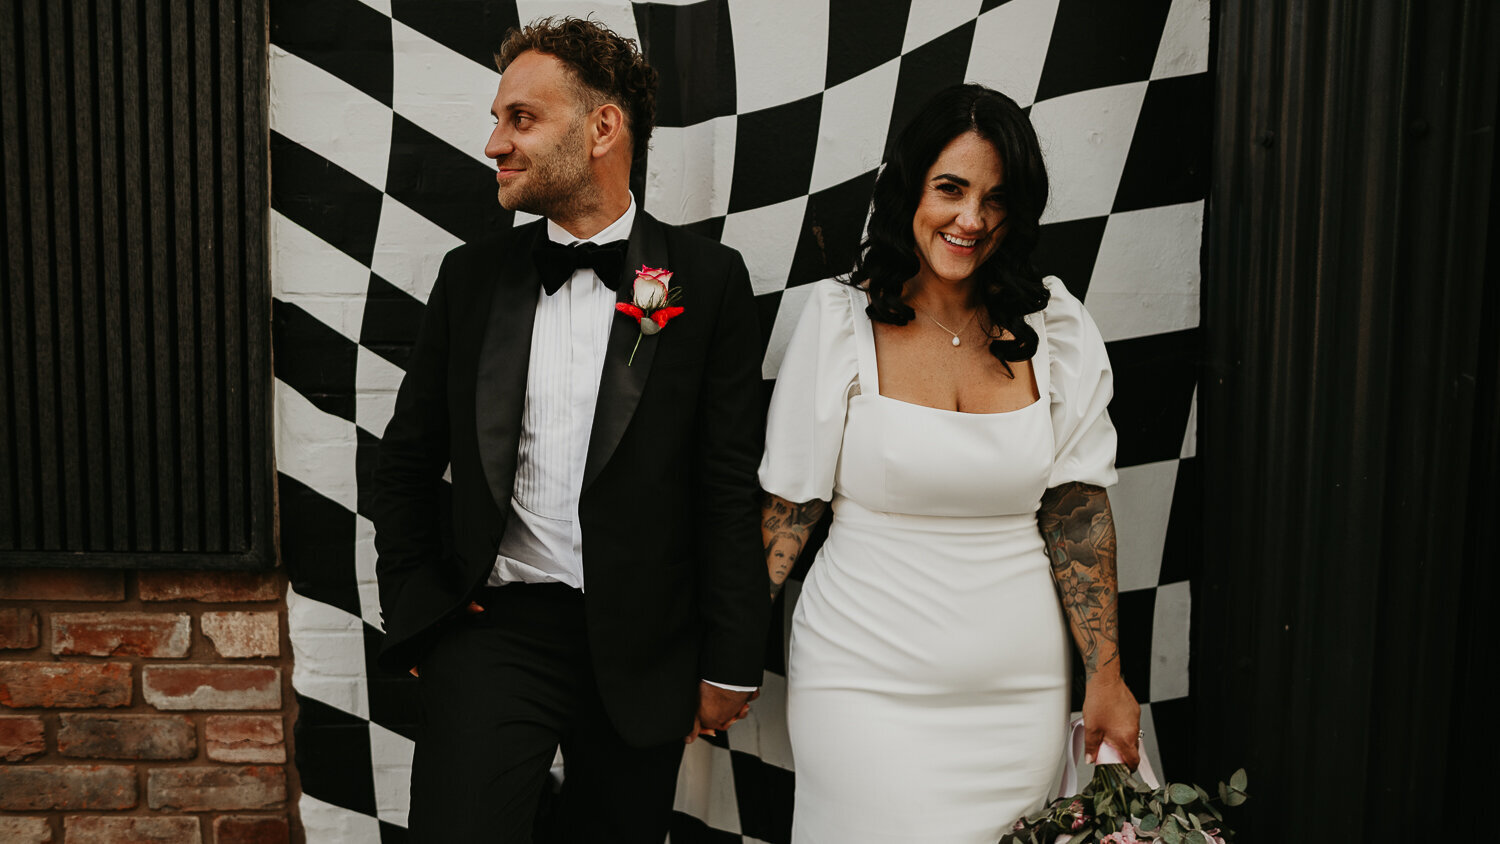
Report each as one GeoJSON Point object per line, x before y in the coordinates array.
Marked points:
{"type": "Point", "coordinates": [958, 241]}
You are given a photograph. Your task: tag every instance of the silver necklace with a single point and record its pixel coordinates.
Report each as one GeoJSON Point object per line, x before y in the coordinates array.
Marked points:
{"type": "Point", "coordinates": [956, 340]}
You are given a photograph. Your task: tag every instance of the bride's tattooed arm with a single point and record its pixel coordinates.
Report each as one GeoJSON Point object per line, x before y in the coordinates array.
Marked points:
{"type": "Point", "coordinates": [1079, 529]}
{"type": "Point", "coordinates": [1080, 532]}
{"type": "Point", "coordinates": [784, 528]}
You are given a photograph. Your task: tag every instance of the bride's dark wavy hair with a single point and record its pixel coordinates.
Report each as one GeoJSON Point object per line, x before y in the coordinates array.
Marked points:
{"type": "Point", "coordinates": [1007, 284]}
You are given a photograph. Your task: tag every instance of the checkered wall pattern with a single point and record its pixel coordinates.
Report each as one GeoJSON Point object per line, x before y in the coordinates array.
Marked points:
{"type": "Point", "coordinates": [773, 115]}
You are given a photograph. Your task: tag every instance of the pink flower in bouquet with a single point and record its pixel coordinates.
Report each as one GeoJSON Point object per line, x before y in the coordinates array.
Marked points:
{"type": "Point", "coordinates": [1126, 835]}
{"type": "Point", "coordinates": [1079, 818]}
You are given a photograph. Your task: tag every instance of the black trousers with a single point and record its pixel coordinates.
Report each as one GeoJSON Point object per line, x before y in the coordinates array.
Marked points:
{"type": "Point", "coordinates": [501, 690]}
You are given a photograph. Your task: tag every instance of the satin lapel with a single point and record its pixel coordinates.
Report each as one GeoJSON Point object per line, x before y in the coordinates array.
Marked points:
{"type": "Point", "coordinates": [620, 385]}
{"type": "Point", "coordinates": [504, 354]}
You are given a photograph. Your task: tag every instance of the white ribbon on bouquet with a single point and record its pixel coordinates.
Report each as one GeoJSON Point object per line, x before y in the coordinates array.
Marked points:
{"type": "Point", "coordinates": [1108, 755]}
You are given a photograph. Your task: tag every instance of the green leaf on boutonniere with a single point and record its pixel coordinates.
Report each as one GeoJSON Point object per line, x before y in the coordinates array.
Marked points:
{"type": "Point", "coordinates": [1181, 794]}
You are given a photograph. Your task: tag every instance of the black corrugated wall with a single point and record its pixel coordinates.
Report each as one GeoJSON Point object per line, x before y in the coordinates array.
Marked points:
{"type": "Point", "coordinates": [134, 321]}
{"type": "Point", "coordinates": [1348, 427]}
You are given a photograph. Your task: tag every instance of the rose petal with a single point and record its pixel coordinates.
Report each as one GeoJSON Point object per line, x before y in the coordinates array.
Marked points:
{"type": "Point", "coordinates": [648, 293]}
{"type": "Point", "coordinates": [658, 275]}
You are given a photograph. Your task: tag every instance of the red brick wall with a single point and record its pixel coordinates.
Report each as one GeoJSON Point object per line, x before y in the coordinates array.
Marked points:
{"type": "Point", "coordinates": [145, 707]}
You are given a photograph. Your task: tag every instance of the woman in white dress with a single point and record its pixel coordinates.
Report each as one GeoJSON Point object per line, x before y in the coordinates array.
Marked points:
{"type": "Point", "coordinates": [950, 403]}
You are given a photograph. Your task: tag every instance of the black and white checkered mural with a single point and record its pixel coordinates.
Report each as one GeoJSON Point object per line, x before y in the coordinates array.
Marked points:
{"type": "Point", "coordinates": [773, 115]}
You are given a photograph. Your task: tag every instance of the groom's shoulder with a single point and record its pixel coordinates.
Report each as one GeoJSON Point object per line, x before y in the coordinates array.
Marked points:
{"type": "Point", "coordinates": [485, 249]}
{"type": "Point", "coordinates": [700, 248]}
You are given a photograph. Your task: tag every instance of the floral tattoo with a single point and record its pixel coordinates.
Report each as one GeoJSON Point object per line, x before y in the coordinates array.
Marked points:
{"type": "Point", "coordinates": [1079, 529]}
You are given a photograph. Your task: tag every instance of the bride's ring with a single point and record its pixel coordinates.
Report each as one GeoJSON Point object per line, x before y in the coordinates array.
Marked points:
{"type": "Point", "coordinates": [1140, 735]}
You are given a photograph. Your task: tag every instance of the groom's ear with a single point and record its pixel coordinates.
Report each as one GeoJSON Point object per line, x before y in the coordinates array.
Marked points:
{"type": "Point", "coordinates": [607, 131]}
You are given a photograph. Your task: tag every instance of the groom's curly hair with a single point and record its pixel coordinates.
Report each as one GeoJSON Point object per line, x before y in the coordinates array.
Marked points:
{"type": "Point", "coordinates": [607, 68]}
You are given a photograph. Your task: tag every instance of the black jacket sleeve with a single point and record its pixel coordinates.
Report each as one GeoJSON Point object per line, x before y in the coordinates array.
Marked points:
{"type": "Point", "coordinates": [414, 452]}
{"type": "Point", "coordinates": [732, 583]}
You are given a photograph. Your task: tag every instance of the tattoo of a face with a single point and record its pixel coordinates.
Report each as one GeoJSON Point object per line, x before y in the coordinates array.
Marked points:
{"type": "Point", "coordinates": [1079, 529]}
{"type": "Point", "coordinates": [784, 530]}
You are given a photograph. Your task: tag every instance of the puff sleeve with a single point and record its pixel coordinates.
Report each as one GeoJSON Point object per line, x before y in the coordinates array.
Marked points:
{"type": "Point", "coordinates": [805, 425]}
{"type": "Point", "coordinates": [1080, 385]}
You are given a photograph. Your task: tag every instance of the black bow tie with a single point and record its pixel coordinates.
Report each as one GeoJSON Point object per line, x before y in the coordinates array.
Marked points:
{"type": "Point", "coordinates": [557, 262]}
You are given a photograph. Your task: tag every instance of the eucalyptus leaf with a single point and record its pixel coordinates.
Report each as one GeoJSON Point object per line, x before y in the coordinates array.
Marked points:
{"type": "Point", "coordinates": [1239, 780]}
{"type": "Point", "coordinates": [1170, 832]}
{"type": "Point", "coordinates": [1181, 794]}
{"type": "Point", "coordinates": [1148, 823]}
{"type": "Point", "coordinates": [1235, 798]}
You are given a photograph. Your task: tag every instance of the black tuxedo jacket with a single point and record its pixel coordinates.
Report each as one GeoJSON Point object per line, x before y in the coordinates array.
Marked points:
{"type": "Point", "coordinates": [674, 578]}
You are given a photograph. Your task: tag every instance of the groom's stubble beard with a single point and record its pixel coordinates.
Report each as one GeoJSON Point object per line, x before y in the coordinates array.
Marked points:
{"type": "Point", "coordinates": [557, 185]}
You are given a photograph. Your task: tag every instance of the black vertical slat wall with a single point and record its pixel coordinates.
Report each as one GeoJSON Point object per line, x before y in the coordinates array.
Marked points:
{"type": "Point", "coordinates": [1348, 430]}
{"type": "Point", "coordinates": [135, 381]}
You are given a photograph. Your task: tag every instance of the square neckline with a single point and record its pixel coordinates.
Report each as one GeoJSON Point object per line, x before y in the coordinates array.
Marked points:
{"type": "Point", "coordinates": [869, 364]}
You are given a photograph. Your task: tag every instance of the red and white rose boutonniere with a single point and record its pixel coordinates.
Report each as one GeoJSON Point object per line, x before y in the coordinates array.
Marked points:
{"type": "Point", "coordinates": [651, 307]}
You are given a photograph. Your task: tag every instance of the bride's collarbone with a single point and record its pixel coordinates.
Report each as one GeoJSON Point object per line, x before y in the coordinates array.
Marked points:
{"type": "Point", "coordinates": [917, 368]}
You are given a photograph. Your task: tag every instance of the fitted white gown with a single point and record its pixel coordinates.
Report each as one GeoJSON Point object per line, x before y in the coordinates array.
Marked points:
{"type": "Point", "coordinates": [928, 681]}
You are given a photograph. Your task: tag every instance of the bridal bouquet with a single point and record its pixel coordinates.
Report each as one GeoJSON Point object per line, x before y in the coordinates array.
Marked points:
{"type": "Point", "coordinates": [1118, 808]}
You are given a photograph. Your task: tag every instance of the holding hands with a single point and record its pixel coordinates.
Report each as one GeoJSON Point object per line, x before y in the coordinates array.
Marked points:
{"type": "Point", "coordinates": [718, 709]}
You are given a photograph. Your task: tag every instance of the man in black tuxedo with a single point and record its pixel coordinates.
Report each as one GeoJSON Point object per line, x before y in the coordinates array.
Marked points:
{"type": "Point", "coordinates": [592, 577]}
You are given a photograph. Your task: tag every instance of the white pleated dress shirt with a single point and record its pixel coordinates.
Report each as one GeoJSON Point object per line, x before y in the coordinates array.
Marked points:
{"type": "Point", "coordinates": [543, 541]}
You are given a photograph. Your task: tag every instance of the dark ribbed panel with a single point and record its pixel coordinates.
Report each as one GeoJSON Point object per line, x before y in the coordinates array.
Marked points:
{"type": "Point", "coordinates": [134, 322]}
{"type": "Point", "coordinates": [1342, 616]}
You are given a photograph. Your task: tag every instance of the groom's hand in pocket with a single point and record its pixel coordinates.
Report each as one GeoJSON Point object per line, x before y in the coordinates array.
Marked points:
{"type": "Point", "coordinates": [471, 609]}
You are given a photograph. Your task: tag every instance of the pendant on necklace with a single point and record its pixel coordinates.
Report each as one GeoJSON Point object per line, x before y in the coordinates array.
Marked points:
{"type": "Point", "coordinates": [955, 339]}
